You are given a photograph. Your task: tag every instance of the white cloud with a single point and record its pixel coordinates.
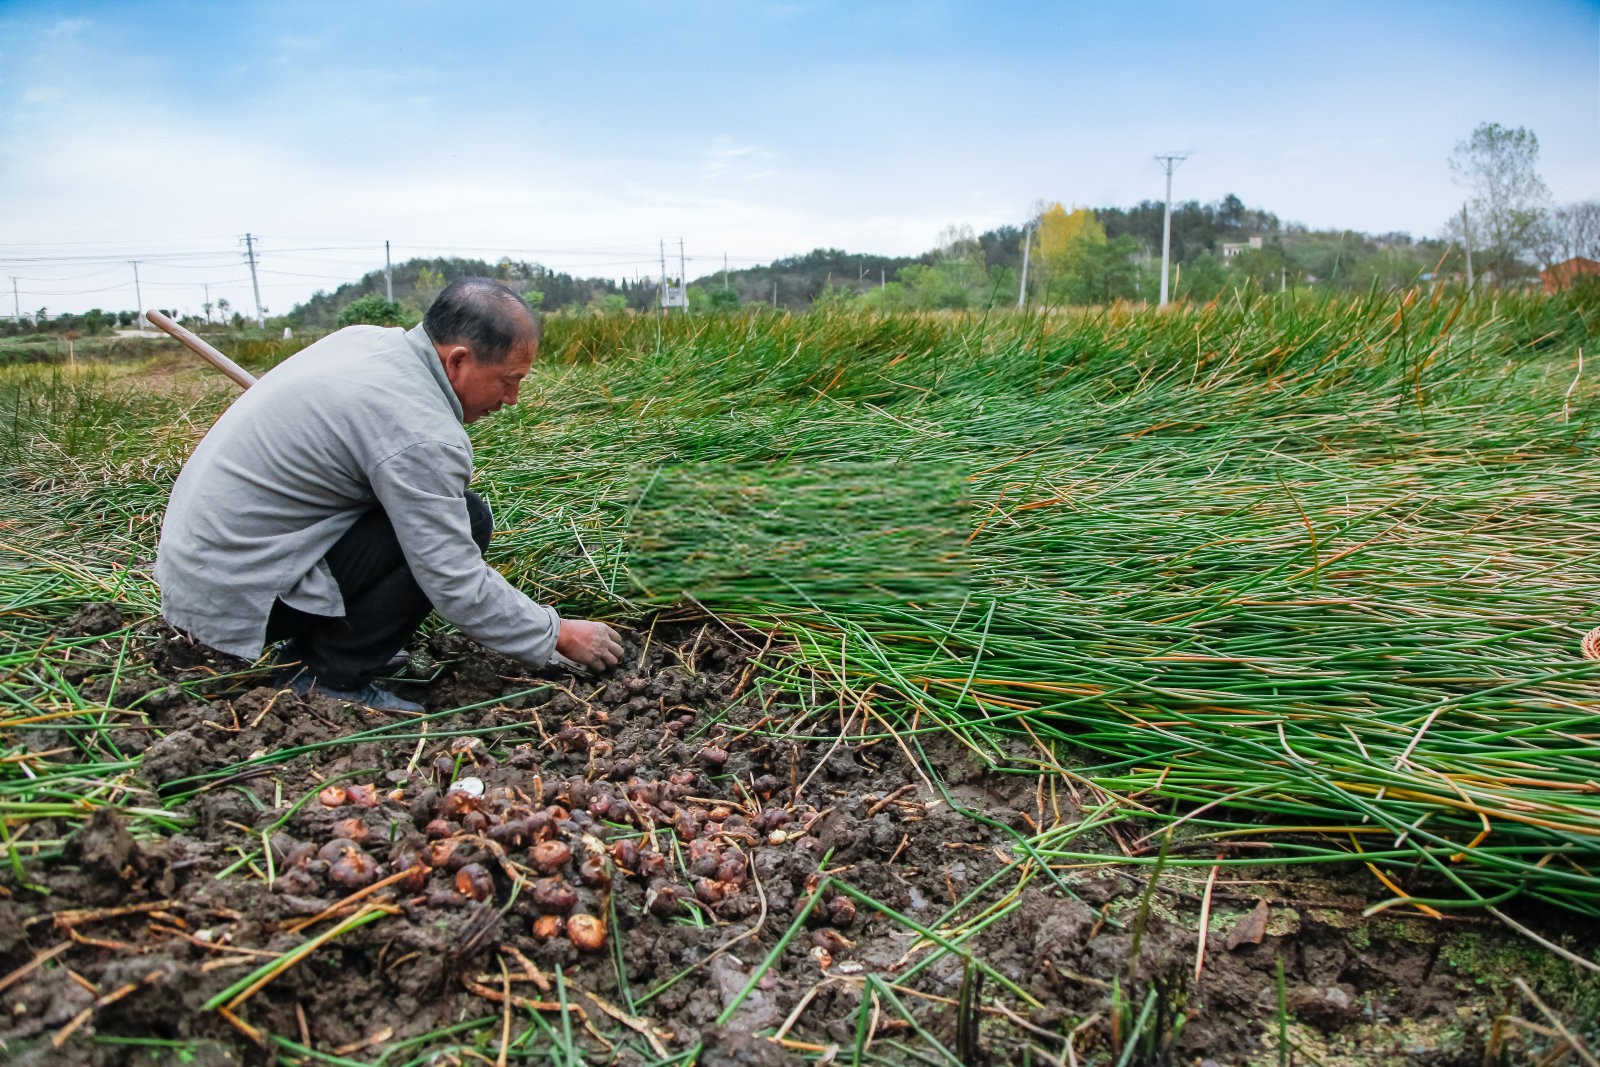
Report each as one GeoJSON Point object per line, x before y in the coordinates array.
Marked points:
{"type": "Point", "coordinates": [68, 27]}
{"type": "Point", "coordinates": [725, 160]}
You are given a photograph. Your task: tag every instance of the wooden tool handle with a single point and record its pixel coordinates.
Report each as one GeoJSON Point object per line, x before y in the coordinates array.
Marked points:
{"type": "Point", "coordinates": [241, 377]}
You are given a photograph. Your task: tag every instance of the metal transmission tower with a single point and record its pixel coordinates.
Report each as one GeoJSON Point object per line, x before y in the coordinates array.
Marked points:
{"type": "Point", "coordinates": [1170, 163]}
{"type": "Point", "coordinates": [388, 275]}
{"type": "Point", "coordinates": [673, 296]}
{"type": "Point", "coordinates": [250, 254]}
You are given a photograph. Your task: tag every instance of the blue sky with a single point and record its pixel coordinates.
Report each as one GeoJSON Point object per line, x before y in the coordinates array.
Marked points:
{"type": "Point", "coordinates": [580, 135]}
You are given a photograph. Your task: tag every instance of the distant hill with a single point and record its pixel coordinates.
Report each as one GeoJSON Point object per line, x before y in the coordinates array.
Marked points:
{"type": "Point", "coordinates": [1197, 229]}
{"type": "Point", "coordinates": [1206, 241]}
{"type": "Point", "coordinates": [418, 281]}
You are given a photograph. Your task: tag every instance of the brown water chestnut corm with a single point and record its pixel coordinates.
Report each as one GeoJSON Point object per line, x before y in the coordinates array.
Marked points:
{"type": "Point", "coordinates": [552, 894]}
{"type": "Point", "coordinates": [353, 869]}
{"type": "Point", "coordinates": [586, 932]}
{"type": "Point", "coordinates": [363, 796]}
{"type": "Point", "coordinates": [550, 856]}
{"type": "Point", "coordinates": [353, 828]}
{"type": "Point", "coordinates": [335, 846]}
{"type": "Point", "coordinates": [475, 881]}
{"type": "Point", "coordinates": [664, 899]}
{"type": "Point", "coordinates": [592, 872]}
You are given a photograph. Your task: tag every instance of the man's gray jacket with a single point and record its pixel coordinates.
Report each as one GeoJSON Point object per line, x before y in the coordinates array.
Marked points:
{"type": "Point", "coordinates": [362, 417]}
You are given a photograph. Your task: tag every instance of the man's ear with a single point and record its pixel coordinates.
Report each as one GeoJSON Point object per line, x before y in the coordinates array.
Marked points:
{"type": "Point", "coordinates": [455, 357]}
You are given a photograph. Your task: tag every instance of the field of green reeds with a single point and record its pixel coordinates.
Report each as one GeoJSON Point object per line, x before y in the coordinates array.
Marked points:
{"type": "Point", "coordinates": [1301, 581]}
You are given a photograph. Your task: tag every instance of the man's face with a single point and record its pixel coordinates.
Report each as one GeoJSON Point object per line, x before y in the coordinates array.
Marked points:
{"type": "Point", "coordinates": [486, 387]}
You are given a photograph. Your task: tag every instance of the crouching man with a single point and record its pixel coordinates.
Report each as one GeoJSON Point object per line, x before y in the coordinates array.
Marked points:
{"type": "Point", "coordinates": [329, 505]}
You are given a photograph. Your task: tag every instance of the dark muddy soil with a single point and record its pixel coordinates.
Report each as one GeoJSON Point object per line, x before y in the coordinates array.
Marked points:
{"type": "Point", "coordinates": [635, 847]}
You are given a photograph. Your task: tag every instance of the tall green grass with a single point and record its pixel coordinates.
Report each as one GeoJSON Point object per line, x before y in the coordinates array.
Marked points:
{"type": "Point", "coordinates": [1322, 562]}
{"type": "Point", "coordinates": [1286, 570]}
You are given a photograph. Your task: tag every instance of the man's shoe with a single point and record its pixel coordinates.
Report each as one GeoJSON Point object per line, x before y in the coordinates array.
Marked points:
{"type": "Point", "coordinates": [369, 696]}
{"type": "Point", "coordinates": [288, 653]}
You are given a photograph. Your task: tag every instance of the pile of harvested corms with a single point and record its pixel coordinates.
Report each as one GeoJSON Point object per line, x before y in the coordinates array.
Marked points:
{"type": "Point", "coordinates": [451, 838]}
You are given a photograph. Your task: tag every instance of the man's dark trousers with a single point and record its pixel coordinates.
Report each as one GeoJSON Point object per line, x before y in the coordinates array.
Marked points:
{"type": "Point", "coordinates": [383, 603]}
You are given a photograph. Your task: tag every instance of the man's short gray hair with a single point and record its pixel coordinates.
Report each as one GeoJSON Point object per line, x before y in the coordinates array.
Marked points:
{"type": "Point", "coordinates": [484, 315]}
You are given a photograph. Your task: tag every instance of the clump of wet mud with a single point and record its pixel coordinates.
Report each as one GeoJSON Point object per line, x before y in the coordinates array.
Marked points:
{"type": "Point", "coordinates": [636, 845]}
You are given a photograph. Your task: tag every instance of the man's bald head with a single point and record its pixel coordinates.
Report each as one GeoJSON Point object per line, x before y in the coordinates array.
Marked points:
{"type": "Point", "coordinates": [483, 315]}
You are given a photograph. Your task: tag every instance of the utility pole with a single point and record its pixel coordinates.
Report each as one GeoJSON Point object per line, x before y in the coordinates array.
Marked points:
{"type": "Point", "coordinates": [388, 275]}
{"type": "Point", "coordinates": [883, 277]}
{"type": "Point", "coordinates": [1027, 243]}
{"type": "Point", "coordinates": [683, 277]}
{"type": "Point", "coordinates": [1466, 238]}
{"type": "Point", "coordinates": [16, 301]}
{"type": "Point", "coordinates": [774, 294]}
{"type": "Point", "coordinates": [1169, 162]}
{"type": "Point", "coordinates": [138, 300]}
{"type": "Point", "coordinates": [207, 304]}
{"type": "Point", "coordinates": [250, 254]}
{"type": "Point", "coordinates": [724, 271]}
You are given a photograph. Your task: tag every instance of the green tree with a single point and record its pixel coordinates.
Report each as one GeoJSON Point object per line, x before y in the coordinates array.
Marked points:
{"type": "Point", "coordinates": [1506, 206]}
{"type": "Point", "coordinates": [832, 298]}
{"type": "Point", "coordinates": [1263, 267]}
{"type": "Point", "coordinates": [374, 310]}
{"type": "Point", "coordinates": [1062, 235]}
{"type": "Point", "coordinates": [1067, 246]}
{"type": "Point", "coordinates": [893, 296]}
{"type": "Point", "coordinates": [1202, 278]}
{"type": "Point", "coordinates": [724, 300]}
{"type": "Point", "coordinates": [939, 287]}
{"type": "Point", "coordinates": [430, 283]}
{"type": "Point", "coordinates": [1103, 271]}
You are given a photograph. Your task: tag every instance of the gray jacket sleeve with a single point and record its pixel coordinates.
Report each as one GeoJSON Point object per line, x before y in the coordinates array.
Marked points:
{"type": "Point", "coordinates": [422, 489]}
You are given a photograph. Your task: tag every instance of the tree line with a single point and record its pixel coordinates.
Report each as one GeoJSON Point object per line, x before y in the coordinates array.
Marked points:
{"type": "Point", "coordinates": [1057, 257]}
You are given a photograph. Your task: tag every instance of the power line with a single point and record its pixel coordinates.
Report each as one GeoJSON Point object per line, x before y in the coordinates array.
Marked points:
{"type": "Point", "coordinates": [301, 274]}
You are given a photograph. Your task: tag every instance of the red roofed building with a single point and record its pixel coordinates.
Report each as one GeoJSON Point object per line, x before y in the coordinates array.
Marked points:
{"type": "Point", "coordinates": [1560, 276]}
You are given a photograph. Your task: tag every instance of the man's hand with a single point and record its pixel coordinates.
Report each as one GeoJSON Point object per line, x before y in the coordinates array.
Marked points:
{"type": "Point", "coordinates": [591, 644]}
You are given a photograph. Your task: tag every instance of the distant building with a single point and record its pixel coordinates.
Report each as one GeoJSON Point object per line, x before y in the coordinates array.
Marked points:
{"type": "Point", "coordinates": [1559, 276]}
{"type": "Point", "coordinates": [1233, 248]}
